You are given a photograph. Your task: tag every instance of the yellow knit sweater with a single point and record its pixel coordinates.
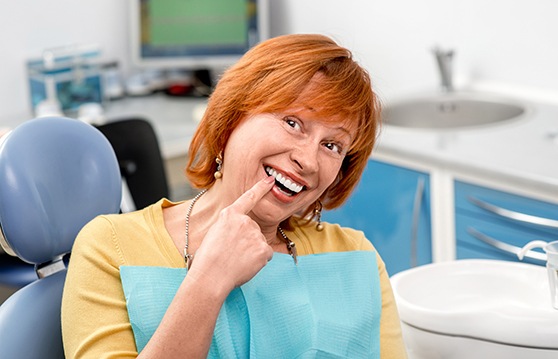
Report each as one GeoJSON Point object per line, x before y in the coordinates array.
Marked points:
{"type": "Point", "coordinates": [94, 316]}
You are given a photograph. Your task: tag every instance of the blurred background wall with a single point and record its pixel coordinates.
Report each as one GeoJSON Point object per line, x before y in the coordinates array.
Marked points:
{"type": "Point", "coordinates": [502, 45]}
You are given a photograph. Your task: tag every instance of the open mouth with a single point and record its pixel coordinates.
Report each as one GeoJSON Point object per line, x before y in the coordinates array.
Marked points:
{"type": "Point", "coordinates": [285, 184]}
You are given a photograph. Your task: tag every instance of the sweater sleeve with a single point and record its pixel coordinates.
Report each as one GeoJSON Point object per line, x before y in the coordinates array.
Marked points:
{"type": "Point", "coordinates": [94, 316]}
{"type": "Point", "coordinates": [391, 346]}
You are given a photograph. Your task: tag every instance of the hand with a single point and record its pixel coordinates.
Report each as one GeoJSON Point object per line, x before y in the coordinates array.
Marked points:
{"type": "Point", "coordinates": [234, 249]}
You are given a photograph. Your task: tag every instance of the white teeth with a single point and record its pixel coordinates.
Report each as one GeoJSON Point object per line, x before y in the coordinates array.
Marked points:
{"type": "Point", "coordinates": [284, 181]}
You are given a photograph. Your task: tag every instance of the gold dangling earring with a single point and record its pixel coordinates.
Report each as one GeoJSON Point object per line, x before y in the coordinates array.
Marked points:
{"type": "Point", "coordinates": [219, 162]}
{"type": "Point", "coordinates": [318, 213]}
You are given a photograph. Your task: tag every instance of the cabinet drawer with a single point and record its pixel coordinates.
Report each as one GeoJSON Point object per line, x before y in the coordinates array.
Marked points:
{"type": "Point", "coordinates": [495, 224]}
{"type": "Point", "coordinates": [506, 209]}
{"type": "Point", "coordinates": [470, 232]}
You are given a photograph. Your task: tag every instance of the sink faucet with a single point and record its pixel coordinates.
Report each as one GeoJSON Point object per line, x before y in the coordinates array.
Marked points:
{"type": "Point", "coordinates": [444, 58]}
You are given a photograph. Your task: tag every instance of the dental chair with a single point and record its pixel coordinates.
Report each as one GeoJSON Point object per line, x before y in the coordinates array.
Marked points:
{"type": "Point", "coordinates": [56, 174]}
{"type": "Point", "coordinates": [141, 163]}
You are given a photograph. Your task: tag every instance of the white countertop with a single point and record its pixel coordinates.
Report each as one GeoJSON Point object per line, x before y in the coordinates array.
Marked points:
{"type": "Point", "coordinates": [524, 149]}
{"type": "Point", "coordinates": [174, 118]}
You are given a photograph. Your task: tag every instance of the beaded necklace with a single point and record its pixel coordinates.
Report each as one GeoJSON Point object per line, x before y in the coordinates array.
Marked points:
{"type": "Point", "coordinates": [188, 258]}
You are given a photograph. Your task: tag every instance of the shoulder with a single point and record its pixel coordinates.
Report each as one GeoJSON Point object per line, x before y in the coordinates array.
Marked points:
{"type": "Point", "coordinates": [333, 238]}
{"type": "Point", "coordinates": [147, 217]}
{"type": "Point", "coordinates": [120, 235]}
{"type": "Point", "coordinates": [107, 225]}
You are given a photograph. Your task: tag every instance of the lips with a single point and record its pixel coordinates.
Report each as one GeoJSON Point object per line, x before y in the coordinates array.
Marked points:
{"type": "Point", "coordinates": [285, 183]}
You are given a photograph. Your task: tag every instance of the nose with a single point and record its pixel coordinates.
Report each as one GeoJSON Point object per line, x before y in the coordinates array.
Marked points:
{"type": "Point", "coordinates": [305, 155]}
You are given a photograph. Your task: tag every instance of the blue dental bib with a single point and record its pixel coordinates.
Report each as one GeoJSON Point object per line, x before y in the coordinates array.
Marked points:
{"type": "Point", "coordinates": [327, 306]}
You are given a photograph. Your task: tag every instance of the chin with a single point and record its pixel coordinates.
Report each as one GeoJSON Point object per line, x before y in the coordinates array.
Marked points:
{"type": "Point", "coordinates": [270, 215]}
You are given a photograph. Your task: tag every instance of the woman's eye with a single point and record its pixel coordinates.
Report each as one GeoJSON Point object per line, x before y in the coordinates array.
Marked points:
{"type": "Point", "coordinates": [291, 122]}
{"type": "Point", "coordinates": [334, 147]}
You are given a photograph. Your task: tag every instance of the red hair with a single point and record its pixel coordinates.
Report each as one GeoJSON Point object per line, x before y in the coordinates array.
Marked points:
{"type": "Point", "coordinates": [269, 78]}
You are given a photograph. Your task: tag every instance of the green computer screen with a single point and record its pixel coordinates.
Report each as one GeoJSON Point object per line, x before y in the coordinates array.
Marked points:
{"type": "Point", "coordinates": [197, 22]}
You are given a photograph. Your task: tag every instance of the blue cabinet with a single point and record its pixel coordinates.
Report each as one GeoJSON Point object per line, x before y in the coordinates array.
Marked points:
{"type": "Point", "coordinates": [391, 205]}
{"type": "Point", "coordinates": [493, 224]}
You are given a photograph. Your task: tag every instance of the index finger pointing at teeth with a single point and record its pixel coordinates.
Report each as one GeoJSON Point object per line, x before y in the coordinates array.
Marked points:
{"type": "Point", "coordinates": [250, 198]}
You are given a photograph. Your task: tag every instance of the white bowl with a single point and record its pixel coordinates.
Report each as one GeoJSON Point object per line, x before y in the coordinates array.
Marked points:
{"type": "Point", "coordinates": [499, 302]}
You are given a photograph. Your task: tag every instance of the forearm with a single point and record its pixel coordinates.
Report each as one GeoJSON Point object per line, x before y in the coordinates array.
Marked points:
{"type": "Point", "coordinates": [187, 327]}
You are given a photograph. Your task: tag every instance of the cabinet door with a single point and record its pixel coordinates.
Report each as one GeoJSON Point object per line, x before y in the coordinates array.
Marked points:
{"type": "Point", "coordinates": [391, 205]}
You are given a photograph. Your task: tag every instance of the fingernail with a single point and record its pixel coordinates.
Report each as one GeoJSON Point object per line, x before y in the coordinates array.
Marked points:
{"type": "Point", "coordinates": [269, 179]}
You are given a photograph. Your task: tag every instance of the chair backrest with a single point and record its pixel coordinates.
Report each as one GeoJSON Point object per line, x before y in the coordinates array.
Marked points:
{"type": "Point", "coordinates": [56, 174]}
{"type": "Point", "coordinates": [141, 164]}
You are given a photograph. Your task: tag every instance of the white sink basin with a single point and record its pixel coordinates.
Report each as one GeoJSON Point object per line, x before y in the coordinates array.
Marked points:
{"type": "Point", "coordinates": [491, 301]}
{"type": "Point", "coordinates": [451, 110]}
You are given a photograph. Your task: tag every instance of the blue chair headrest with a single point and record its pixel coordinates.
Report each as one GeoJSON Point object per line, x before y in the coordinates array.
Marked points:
{"type": "Point", "coordinates": [56, 174]}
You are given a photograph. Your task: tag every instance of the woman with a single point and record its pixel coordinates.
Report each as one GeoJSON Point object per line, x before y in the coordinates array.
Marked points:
{"type": "Point", "coordinates": [287, 131]}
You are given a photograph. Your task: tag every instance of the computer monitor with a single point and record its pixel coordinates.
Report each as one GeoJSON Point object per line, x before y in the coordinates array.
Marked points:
{"type": "Point", "coordinates": [195, 34]}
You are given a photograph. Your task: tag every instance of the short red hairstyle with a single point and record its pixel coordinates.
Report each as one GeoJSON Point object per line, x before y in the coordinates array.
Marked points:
{"type": "Point", "coordinates": [268, 79]}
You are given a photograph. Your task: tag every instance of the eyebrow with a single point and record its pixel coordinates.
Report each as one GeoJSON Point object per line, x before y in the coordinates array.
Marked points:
{"type": "Point", "coordinates": [312, 109]}
{"type": "Point", "coordinates": [344, 130]}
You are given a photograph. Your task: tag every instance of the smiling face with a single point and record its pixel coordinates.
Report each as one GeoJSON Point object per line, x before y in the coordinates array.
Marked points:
{"type": "Point", "coordinates": [307, 77]}
{"type": "Point", "coordinates": [301, 150]}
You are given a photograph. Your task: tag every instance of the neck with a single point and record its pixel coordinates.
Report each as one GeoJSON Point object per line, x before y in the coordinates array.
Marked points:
{"type": "Point", "coordinates": [214, 203]}
{"type": "Point", "coordinates": [206, 212]}
{"type": "Point", "coordinates": [271, 235]}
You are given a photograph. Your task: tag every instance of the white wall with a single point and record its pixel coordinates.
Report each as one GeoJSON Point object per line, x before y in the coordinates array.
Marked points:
{"type": "Point", "coordinates": [508, 45]}
{"type": "Point", "coordinates": [29, 26]}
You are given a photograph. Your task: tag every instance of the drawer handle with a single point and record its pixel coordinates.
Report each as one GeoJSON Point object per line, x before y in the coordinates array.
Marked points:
{"type": "Point", "coordinates": [417, 205]}
{"type": "Point", "coordinates": [503, 246]}
{"type": "Point", "coordinates": [516, 216]}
